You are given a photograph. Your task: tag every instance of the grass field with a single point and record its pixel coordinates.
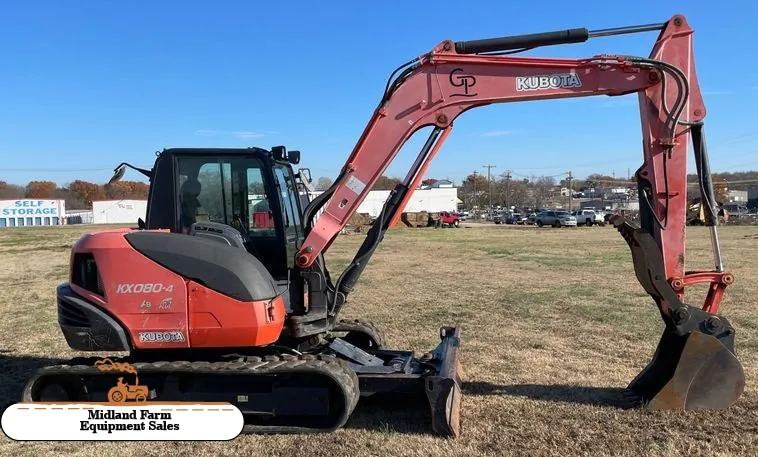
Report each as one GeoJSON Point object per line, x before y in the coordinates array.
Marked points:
{"type": "Point", "coordinates": [554, 324]}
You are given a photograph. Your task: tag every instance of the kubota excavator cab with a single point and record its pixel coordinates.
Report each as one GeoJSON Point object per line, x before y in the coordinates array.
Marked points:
{"type": "Point", "coordinates": [217, 192]}
{"type": "Point", "coordinates": [250, 189]}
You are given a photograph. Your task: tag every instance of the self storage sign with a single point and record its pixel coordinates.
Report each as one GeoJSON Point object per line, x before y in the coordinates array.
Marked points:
{"type": "Point", "coordinates": [30, 207]}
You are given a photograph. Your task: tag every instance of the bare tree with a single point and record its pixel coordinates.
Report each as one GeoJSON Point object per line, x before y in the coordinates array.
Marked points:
{"type": "Point", "coordinates": [472, 190]}
{"type": "Point", "coordinates": [543, 189]}
{"type": "Point", "coordinates": [323, 183]}
{"type": "Point", "coordinates": [10, 191]}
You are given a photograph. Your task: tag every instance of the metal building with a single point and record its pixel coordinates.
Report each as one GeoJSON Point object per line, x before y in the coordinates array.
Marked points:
{"type": "Point", "coordinates": [27, 212]}
{"type": "Point", "coordinates": [118, 211]}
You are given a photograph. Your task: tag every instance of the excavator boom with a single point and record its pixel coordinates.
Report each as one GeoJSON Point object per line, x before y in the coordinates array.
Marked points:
{"type": "Point", "coordinates": [437, 87]}
{"type": "Point", "coordinates": [434, 89]}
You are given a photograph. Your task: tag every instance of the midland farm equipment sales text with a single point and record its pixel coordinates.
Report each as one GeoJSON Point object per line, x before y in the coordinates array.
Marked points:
{"type": "Point", "coordinates": [155, 421]}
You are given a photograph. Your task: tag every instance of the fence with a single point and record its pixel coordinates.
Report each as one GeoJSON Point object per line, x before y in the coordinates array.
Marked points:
{"type": "Point", "coordinates": [83, 217]}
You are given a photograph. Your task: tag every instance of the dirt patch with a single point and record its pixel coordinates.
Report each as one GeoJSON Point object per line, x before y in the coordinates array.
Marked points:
{"type": "Point", "coordinates": [554, 325]}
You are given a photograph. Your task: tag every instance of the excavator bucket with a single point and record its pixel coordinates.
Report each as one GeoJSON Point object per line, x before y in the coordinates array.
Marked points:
{"type": "Point", "coordinates": [690, 372]}
{"type": "Point", "coordinates": [695, 364]}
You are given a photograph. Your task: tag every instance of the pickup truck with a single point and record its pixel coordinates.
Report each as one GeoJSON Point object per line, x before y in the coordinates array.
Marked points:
{"type": "Point", "coordinates": [451, 219]}
{"type": "Point", "coordinates": [556, 219]}
{"type": "Point", "coordinates": [445, 218]}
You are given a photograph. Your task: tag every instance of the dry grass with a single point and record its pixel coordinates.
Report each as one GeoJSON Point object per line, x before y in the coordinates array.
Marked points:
{"type": "Point", "coordinates": [554, 324]}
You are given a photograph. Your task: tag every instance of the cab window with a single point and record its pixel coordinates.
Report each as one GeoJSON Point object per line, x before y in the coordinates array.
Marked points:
{"type": "Point", "coordinates": [288, 197]}
{"type": "Point", "coordinates": [228, 190]}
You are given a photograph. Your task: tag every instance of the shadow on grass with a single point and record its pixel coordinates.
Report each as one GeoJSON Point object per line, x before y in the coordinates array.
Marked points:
{"type": "Point", "coordinates": [596, 396]}
{"type": "Point", "coordinates": [15, 371]}
{"type": "Point", "coordinates": [403, 414]}
{"type": "Point", "coordinates": [412, 414]}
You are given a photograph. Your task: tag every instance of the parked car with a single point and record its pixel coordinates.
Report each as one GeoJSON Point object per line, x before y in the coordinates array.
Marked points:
{"type": "Point", "coordinates": [556, 219]}
{"type": "Point", "coordinates": [531, 219]}
{"type": "Point", "coordinates": [588, 217]}
{"type": "Point", "coordinates": [515, 218]}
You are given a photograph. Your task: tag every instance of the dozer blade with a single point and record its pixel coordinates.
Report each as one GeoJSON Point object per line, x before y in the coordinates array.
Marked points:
{"type": "Point", "coordinates": [690, 372]}
{"type": "Point", "coordinates": [444, 390]}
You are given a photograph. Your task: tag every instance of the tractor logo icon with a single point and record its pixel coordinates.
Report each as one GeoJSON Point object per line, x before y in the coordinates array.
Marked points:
{"type": "Point", "coordinates": [123, 392]}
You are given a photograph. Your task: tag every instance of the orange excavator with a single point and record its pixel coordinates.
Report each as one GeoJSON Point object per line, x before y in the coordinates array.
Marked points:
{"type": "Point", "coordinates": [223, 292]}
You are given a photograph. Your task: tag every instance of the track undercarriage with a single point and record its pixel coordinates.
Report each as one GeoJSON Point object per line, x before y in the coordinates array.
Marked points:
{"type": "Point", "coordinates": [280, 392]}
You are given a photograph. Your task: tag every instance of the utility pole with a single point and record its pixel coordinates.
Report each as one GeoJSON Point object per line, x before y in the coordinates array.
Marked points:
{"type": "Point", "coordinates": [570, 191]}
{"type": "Point", "coordinates": [475, 209]}
{"type": "Point", "coordinates": [507, 177]}
{"type": "Point", "coordinates": [489, 183]}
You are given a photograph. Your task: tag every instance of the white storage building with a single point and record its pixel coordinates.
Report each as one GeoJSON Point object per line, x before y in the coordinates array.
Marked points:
{"type": "Point", "coordinates": [32, 212]}
{"type": "Point", "coordinates": [118, 211]}
{"type": "Point", "coordinates": [431, 200]}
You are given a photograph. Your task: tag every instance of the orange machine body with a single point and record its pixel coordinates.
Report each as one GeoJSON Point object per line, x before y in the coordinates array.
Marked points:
{"type": "Point", "coordinates": [160, 309]}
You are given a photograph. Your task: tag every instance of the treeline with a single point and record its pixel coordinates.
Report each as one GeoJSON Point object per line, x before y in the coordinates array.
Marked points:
{"type": "Point", "coordinates": [740, 180]}
{"type": "Point", "coordinates": [536, 191]}
{"type": "Point", "coordinates": [474, 190]}
{"type": "Point", "coordinates": [77, 194]}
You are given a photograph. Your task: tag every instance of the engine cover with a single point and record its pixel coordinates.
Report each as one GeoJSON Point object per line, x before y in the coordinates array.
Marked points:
{"type": "Point", "coordinates": [155, 289]}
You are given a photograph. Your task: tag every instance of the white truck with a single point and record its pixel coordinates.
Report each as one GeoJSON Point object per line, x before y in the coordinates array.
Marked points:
{"type": "Point", "coordinates": [589, 217]}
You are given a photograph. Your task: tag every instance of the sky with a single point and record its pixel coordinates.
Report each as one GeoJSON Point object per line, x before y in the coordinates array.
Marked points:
{"type": "Point", "coordinates": [87, 85]}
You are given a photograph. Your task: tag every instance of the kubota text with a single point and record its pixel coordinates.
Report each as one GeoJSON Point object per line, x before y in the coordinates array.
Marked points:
{"type": "Point", "coordinates": [555, 81]}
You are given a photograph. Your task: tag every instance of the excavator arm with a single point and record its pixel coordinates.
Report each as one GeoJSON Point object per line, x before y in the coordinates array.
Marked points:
{"type": "Point", "coordinates": [437, 87]}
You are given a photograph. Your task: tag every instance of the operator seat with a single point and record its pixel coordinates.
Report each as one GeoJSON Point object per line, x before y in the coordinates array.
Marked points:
{"type": "Point", "coordinates": [189, 202]}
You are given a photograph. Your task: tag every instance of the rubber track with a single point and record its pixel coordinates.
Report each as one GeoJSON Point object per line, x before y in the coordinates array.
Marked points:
{"type": "Point", "coordinates": [328, 366]}
{"type": "Point", "coordinates": [360, 325]}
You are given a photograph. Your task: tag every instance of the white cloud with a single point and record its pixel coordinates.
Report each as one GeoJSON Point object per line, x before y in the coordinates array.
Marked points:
{"type": "Point", "coordinates": [243, 135]}
{"type": "Point", "coordinates": [718, 92]}
{"type": "Point", "coordinates": [246, 135]}
{"type": "Point", "coordinates": [493, 133]}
